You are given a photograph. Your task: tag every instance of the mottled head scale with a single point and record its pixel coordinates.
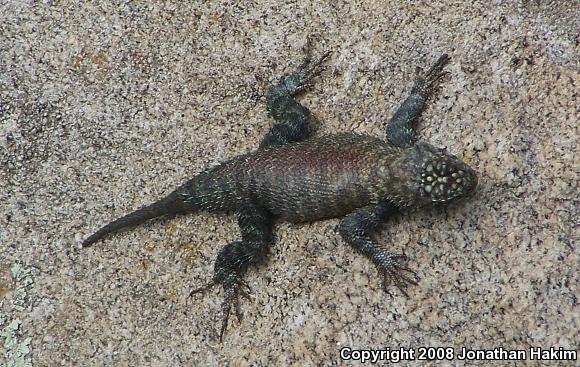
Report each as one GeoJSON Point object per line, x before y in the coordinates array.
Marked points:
{"type": "Point", "coordinates": [442, 177]}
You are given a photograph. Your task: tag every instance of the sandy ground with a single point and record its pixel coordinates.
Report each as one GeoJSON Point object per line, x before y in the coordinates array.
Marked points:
{"type": "Point", "coordinates": [104, 108]}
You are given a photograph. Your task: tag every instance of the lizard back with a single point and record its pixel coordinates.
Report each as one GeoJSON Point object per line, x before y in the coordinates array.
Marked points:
{"type": "Point", "coordinates": [319, 178]}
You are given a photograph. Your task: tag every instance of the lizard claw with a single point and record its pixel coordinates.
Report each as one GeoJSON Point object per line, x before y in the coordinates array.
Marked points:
{"type": "Point", "coordinates": [299, 80]}
{"type": "Point", "coordinates": [239, 287]}
{"type": "Point", "coordinates": [309, 69]}
{"type": "Point", "coordinates": [232, 299]}
{"type": "Point", "coordinates": [203, 289]}
{"type": "Point", "coordinates": [425, 85]}
{"type": "Point", "coordinates": [393, 273]}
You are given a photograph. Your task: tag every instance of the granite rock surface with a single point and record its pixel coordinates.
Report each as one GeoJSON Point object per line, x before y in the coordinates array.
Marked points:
{"type": "Point", "coordinates": [106, 106]}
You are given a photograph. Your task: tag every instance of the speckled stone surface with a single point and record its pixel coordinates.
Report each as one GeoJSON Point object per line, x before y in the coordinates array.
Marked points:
{"type": "Point", "coordinates": [106, 106]}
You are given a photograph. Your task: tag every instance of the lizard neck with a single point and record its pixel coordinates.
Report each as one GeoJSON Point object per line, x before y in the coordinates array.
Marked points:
{"type": "Point", "coordinates": [396, 179]}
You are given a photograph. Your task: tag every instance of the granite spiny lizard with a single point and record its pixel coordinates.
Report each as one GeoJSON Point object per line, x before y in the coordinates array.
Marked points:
{"type": "Point", "coordinates": [360, 178]}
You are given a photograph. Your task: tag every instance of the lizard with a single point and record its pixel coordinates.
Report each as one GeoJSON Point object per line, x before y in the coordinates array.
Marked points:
{"type": "Point", "coordinates": [298, 178]}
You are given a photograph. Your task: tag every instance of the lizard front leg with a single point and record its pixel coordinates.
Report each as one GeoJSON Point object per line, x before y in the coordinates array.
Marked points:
{"type": "Point", "coordinates": [291, 117]}
{"type": "Point", "coordinates": [234, 258]}
{"type": "Point", "coordinates": [358, 227]}
{"type": "Point", "coordinates": [401, 128]}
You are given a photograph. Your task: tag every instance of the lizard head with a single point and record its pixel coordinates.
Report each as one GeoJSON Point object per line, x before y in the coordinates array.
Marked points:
{"type": "Point", "coordinates": [440, 177]}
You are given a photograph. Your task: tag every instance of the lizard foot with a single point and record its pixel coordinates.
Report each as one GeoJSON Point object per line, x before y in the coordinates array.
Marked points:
{"type": "Point", "coordinates": [392, 271]}
{"type": "Point", "coordinates": [301, 79]}
{"type": "Point", "coordinates": [232, 291]}
{"type": "Point", "coordinates": [425, 85]}
{"type": "Point", "coordinates": [232, 299]}
{"type": "Point", "coordinates": [309, 69]}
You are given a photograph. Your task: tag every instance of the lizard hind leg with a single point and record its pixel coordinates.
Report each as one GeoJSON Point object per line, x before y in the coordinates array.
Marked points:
{"type": "Point", "coordinates": [236, 257]}
{"type": "Point", "coordinates": [291, 117]}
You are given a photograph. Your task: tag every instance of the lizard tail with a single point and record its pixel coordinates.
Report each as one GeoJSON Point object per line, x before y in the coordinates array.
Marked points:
{"type": "Point", "coordinates": [171, 204]}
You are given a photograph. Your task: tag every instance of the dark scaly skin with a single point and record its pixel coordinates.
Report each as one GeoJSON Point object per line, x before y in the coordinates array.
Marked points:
{"type": "Point", "coordinates": [363, 179]}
